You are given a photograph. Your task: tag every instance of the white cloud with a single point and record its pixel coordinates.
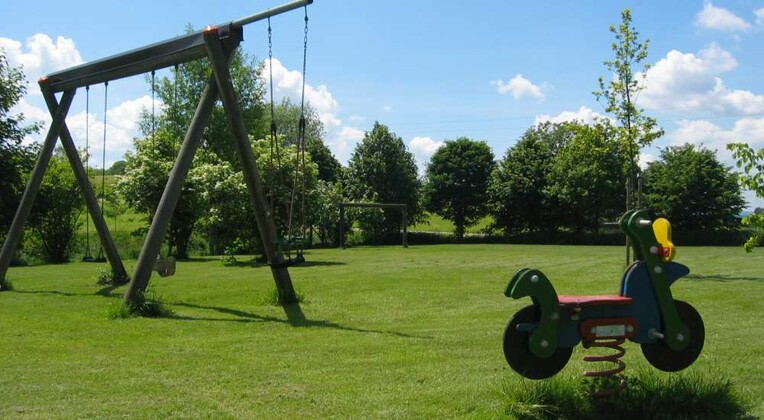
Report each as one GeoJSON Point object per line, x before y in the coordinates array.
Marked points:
{"type": "Point", "coordinates": [759, 16]}
{"type": "Point", "coordinates": [645, 159]}
{"type": "Point", "coordinates": [584, 115]}
{"type": "Point", "coordinates": [423, 148]}
{"type": "Point", "coordinates": [520, 87]}
{"type": "Point", "coordinates": [343, 140]}
{"type": "Point", "coordinates": [40, 55]}
{"type": "Point", "coordinates": [712, 17]}
{"type": "Point", "coordinates": [387, 108]}
{"type": "Point", "coordinates": [288, 83]}
{"type": "Point", "coordinates": [686, 81]}
{"type": "Point", "coordinates": [712, 136]}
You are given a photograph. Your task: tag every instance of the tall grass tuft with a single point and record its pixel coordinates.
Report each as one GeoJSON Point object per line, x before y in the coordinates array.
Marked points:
{"type": "Point", "coordinates": [146, 305]}
{"type": "Point", "coordinates": [274, 298]}
{"type": "Point", "coordinates": [649, 395]}
{"type": "Point", "coordinates": [5, 285]}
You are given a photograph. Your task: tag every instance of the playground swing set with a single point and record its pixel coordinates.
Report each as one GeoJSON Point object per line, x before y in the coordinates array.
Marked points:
{"type": "Point", "coordinates": [539, 339]}
{"type": "Point", "coordinates": [217, 43]}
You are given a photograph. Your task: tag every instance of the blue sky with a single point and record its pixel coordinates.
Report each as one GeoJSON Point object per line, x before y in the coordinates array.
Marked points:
{"type": "Point", "coordinates": [430, 70]}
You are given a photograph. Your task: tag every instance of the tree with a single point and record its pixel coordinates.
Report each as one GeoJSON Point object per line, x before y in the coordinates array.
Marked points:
{"type": "Point", "coordinates": [180, 92]}
{"type": "Point", "coordinates": [752, 163]}
{"type": "Point", "coordinates": [16, 160]}
{"type": "Point", "coordinates": [690, 187]}
{"type": "Point", "coordinates": [516, 194]}
{"type": "Point", "coordinates": [619, 94]}
{"type": "Point", "coordinates": [56, 211]}
{"type": "Point", "coordinates": [381, 169]}
{"type": "Point", "coordinates": [457, 182]}
{"type": "Point", "coordinates": [287, 115]}
{"type": "Point", "coordinates": [585, 178]}
{"type": "Point", "coordinates": [147, 168]}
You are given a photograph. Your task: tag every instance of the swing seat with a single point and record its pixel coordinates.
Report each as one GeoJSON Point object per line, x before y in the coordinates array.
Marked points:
{"type": "Point", "coordinates": [286, 246]}
{"type": "Point", "coordinates": [165, 266]}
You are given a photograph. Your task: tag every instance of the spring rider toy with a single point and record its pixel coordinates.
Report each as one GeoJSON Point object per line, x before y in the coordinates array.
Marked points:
{"type": "Point", "coordinates": [540, 338]}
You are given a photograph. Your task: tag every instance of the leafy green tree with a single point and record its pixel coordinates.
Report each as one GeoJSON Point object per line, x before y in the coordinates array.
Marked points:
{"type": "Point", "coordinates": [585, 178]}
{"type": "Point", "coordinates": [619, 94]}
{"type": "Point", "coordinates": [148, 167]}
{"type": "Point", "coordinates": [752, 164]}
{"type": "Point", "coordinates": [56, 211]}
{"type": "Point", "coordinates": [287, 115]}
{"type": "Point", "coordinates": [147, 170]}
{"type": "Point", "coordinates": [180, 92]}
{"type": "Point", "coordinates": [516, 195]}
{"type": "Point", "coordinates": [690, 187]}
{"type": "Point", "coordinates": [457, 182]}
{"type": "Point", "coordinates": [16, 160]}
{"type": "Point", "coordinates": [382, 169]}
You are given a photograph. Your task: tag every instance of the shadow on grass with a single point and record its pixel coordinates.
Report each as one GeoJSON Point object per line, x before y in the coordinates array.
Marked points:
{"type": "Point", "coordinates": [260, 264]}
{"type": "Point", "coordinates": [48, 292]}
{"type": "Point", "coordinates": [107, 291]}
{"type": "Point", "coordinates": [721, 278]}
{"type": "Point", "coordinates": [649, 395]}
{"type": "Point", "coordinates": [294, 317]}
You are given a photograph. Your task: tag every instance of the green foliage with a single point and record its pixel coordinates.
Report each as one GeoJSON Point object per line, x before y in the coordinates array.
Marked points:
{"type": "Point", "coordinates": [285, 179]}
{"type": "Point", "coordinates": [5, 285]}
{"type": "Point", "coordinates": [324, 210]}
{"type": "Point", "coordinates": [752, 164]}
{"type": "Point", "coordinates": [147, 305]}
{"type": "Point", "coordinates": [457, 182]}
{"type": "Point", "coordinates": [517, 197]}
{"type": "Point", "coordinates": [648, 395]}
{"type": "Point", "coordinates": [147, 170]}
{"type": "Point", "coordinates": [619, 93]}
{"type": "Point", "coordinates": [287, 117]}
{"type": "Point", "coordinates": [382, 170]}
{"type": "Point", "coordinates": [691, 188]}
{"type": "Point", "coordinates": [586, 177]}
{"type": "Point", "coordinates": [16, 160]}
{"type": "Point", "coordinates": [274, 298]}
{"type": "Point", "coordinates": [55, 215]}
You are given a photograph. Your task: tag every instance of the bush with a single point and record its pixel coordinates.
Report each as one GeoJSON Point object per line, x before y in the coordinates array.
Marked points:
{"type": "Point", "coordinates": [146, 305]}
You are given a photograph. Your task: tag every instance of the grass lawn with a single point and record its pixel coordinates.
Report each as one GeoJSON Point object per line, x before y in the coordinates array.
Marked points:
{"type": "Point", "coordinates": [435, 223]}
{"type": "Point", "coordinates": [384, 332]}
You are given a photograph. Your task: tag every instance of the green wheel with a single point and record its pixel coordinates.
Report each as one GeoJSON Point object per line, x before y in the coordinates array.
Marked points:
{"type": "Point", "coordinates": [662, 357]}
{"type": "Point", "coordinates": [519, 355]}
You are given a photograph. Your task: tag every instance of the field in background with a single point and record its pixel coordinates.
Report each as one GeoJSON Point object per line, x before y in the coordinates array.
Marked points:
{"type": "Point", "coordinates": [384, 332]}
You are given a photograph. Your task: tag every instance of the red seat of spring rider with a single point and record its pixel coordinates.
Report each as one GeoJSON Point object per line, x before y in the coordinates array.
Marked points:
{"type": "Point", "coordinates": [592, 300]}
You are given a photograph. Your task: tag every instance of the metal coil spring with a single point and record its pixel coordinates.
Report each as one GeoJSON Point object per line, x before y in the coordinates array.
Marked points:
{"type": "Point", "coordinates": [615, 358]}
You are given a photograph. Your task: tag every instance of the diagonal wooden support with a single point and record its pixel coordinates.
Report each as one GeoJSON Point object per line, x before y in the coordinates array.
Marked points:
{"type": "Point", "coordinates": [33, 186]}
{"type": "Point", "coordinates": [171, 194]}
{"type": "Point", "coordinates": [264, 219]}
{"type": "Point", "coordinates": [110, 248]}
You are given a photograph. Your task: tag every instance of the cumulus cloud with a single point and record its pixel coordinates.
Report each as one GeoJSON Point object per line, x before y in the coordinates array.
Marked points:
{"type": "Point", "coordinates": [39, 55]}
{"type": "Point", "coordinates": [520, 87]}
{"type": "Point", "coordinates": [288, 83]}
{"type": "Point", "coordinates": [423, 148]}
{"type": "Point", "coordinates": [759, 16]}
{"type": "Point", "coordinates": [342, 141]}
{"type": "Point", "coordinates": [719, 18]}
{"type": "Point", "coordinates": [712, 136]}
{"type": "Point", "coordinates": [584, 115]}
{"type": "Point", "coordinates": [686, 81]}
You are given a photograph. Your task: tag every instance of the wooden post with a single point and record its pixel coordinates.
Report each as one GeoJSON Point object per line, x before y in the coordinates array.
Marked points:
{"type": "Point", "coordinates": [33, 186]}
{"type": "Point", "coordinates": [91, 202]}
{"type": "Point", "coordinates": [263, 217]}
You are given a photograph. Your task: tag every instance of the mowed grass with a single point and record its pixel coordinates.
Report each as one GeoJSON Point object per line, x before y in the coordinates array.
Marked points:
{"type": "Point", "coordinates": [384, 332]}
